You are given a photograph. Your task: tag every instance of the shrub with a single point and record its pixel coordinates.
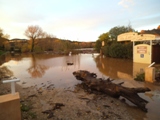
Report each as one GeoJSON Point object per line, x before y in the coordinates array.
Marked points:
{"type": "Point", "coordinates": [25, 48]}
{"type": "Point", "coordinates": [98, 45]}
{"type": "Point", "coordinates": [37, 49]}
{"type": "Point", "coordinates": [129, 50]}
{"type": "Point", "coordinates": [118, 50]}
{"type": "Point", "coordinates": [140, 77]}
{"type": "Point", "coordinates": [2, 52]}
{"type": "Point", "coordinates": [105, 50]}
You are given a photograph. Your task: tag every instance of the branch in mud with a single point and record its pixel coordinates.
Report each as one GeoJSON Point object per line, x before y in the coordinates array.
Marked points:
{"type": "Point", "coordinates": [112, 89]}
{"type": "Point", "coordinates": [50, 112]}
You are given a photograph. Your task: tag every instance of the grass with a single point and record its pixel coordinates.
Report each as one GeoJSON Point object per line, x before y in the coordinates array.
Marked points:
{"type": "Point", "coordinates": [25, 107]}
{"type": "Point", "coordinates": [27, 112]}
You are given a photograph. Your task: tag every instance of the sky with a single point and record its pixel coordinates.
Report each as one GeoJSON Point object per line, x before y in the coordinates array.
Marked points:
{"type": "Point", "coordinates": [77, 20]}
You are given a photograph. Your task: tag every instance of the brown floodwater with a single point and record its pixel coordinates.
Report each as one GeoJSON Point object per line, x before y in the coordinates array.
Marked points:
{"type": "Point", "coordinates": [42, 70]}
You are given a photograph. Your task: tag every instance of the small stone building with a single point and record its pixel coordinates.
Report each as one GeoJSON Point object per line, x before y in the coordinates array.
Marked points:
{"type": "Point", "coordinates": [146, 47]}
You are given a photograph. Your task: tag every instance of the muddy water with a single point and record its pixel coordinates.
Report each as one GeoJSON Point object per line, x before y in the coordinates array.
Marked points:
{"type": "Point", "coordinates": [41, 70]}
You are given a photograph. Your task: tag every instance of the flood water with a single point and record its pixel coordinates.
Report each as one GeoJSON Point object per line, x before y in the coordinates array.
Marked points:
{"type": "Point", "coordinates": [44, 69]}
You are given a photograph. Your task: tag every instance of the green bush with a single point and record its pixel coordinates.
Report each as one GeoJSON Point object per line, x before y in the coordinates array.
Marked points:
{"type": "Point", "coordinates": [118, 50]}
{"type": "Point", "coordinates": [25, 107]}
{"type": "Point", "coordinates": [140, 77]}
{"type": "Point", "coordinates": [98, 45]}
{"type": "Point", "coordinates": [105, 50]}
{"type": "Point", "coordinates": [129, 50]}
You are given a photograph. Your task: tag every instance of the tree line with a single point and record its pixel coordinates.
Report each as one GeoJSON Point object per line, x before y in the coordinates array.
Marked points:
{"type": "Point", "coordinates": [40, 41]}
{"type": "Point", "coordinates": [3, 38]}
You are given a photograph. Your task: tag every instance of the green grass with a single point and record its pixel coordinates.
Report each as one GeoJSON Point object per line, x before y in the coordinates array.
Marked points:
{"type": "Point", "coordinates": [27, 112]}
{"type": "Point", "coordinates": [25, 107]}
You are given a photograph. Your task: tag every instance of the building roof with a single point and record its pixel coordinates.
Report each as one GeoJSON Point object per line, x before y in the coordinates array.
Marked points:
{"type": "Point", "coordinates": [144, 35]}
{"type": "Point", "coordinates": [133, 36]}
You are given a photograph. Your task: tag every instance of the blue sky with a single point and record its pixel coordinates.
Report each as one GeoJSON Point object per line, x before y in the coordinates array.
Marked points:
{"type": "Point", "coordinates": [81, 20]}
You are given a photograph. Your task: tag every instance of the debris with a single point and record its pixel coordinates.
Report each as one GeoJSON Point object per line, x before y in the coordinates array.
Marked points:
{"type": "Point", "coordinates": [112, 89]}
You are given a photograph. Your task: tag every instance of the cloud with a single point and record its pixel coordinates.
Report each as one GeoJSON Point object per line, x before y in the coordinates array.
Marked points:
{"type": "Point", "coordinates": [126, 3]}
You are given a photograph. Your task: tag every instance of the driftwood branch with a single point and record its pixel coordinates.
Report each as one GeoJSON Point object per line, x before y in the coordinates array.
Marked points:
{"type": "Point", "coordinates": [112, 89]}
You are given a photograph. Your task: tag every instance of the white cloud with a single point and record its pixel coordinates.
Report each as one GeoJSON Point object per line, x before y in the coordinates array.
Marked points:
{"type": "Point", "coordinates": [126, 3]}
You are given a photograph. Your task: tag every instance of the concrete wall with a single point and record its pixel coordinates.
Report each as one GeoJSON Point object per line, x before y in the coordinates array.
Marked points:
{"type": "Point", "coordinates": [142, 53]}
{"type": "Point", "coordinates": [150, 74]}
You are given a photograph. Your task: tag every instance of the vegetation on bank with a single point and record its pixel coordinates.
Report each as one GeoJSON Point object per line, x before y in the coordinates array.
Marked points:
{"type": "Point", "coordinates": [108, 45]}
{"type": "Point", "coordinates": [46, 44]}
{"type": "Point", "coordinates": [140, 77]}
{"type": "Point", "coordinates": [118, 50]}
{"type": "Point", "coordinates": [111, 47]}
{"type": "Point", "coordinates": [1, 52]}
{"type": "Point", "coordinates": [40, 41]}
{"type": "Point", "coordinates": [3, 38]}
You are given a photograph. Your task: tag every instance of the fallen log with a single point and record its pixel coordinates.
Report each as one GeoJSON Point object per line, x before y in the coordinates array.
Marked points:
{"type": "Point", "coordinates": [112, 89]}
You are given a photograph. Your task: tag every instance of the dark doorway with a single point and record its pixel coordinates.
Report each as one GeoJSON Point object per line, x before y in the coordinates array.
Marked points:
{"type": "Point", "coordinates": [156, 53]}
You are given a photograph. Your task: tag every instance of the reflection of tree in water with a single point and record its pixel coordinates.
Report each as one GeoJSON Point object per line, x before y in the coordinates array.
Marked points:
{"type": "Point", "coordinates": [16, 56]}
{"type": "Point", "coordinates": [37, 70]}
{"type": "Point", "coordinates": [8, 57]}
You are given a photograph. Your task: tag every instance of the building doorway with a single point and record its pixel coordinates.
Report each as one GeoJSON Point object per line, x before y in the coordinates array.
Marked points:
{"type": "Point", "coordinates": [156, 53]}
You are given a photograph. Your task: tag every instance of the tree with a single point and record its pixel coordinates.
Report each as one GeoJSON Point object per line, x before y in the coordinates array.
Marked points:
{"type": "Point", "coordinates": [1, 33]}
{"type": "Point", "coordinates": [98, 45]}
{"type": "Point", "coordinates": [105, 37]}
{"type": "Point", "coordinates": [34, 32]}
{"type": "Point", "coordinates": [3, 38]}
{"type": "Point", "coordinates": [115, 31]}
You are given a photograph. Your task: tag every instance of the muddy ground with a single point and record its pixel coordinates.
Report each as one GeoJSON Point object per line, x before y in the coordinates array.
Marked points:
{"type": "Point", "coordinates": [48, 102]}
{"type": "Point", "coordinates": [64, 104]}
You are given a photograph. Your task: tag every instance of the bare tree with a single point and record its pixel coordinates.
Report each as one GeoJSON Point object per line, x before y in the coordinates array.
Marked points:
{"type": "Point", "coordinates": [2, 35]}
{"type": "Point", "coordinates": [34, 32]}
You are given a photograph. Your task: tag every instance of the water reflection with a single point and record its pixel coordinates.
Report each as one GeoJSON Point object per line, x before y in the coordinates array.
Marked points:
{"type": "Point", "coordinates": [36, 70]}
{"type": "Point", "coordinates": [75, 59]}
{"type": "Point", "coordinates": [115, 68]}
